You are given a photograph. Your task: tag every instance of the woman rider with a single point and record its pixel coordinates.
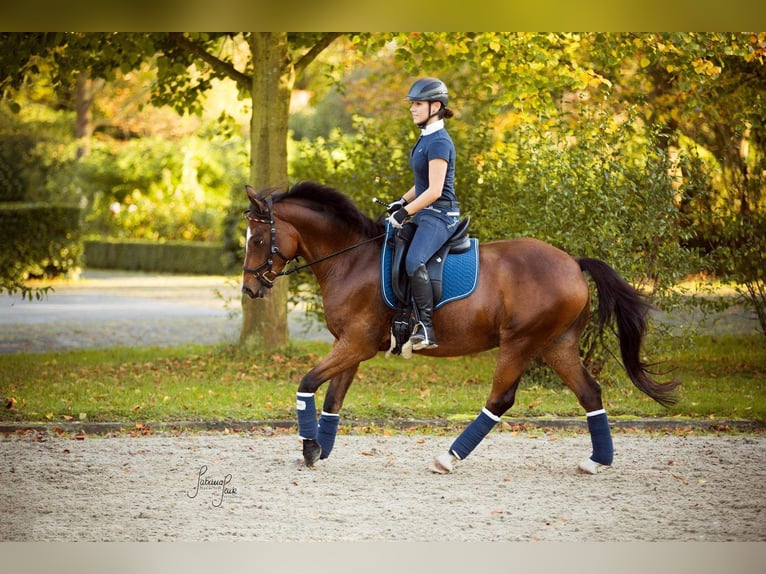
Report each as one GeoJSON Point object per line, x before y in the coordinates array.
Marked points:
{"type": "Point", "coordinates": [431, 200]}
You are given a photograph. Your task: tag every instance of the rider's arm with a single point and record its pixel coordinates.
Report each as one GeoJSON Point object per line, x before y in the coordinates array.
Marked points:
{"type": "Point", "coordinates": [437, 172]}
{"type": "Point", "coordinates": [410, 195]}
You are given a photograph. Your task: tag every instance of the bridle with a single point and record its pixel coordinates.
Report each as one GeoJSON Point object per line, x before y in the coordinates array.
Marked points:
{"type": "Point", "coordinates": [267, 277]}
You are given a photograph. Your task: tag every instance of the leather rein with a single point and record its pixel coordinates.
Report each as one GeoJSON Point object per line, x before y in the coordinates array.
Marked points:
{"type": "Point", "coordinates": [267, 277]}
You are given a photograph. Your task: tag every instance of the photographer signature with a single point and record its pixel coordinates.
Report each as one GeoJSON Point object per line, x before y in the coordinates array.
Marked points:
{"type": "Point", "coordinates": [220, 487]}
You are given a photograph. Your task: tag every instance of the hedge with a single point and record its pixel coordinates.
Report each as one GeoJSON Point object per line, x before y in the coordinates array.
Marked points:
{"type": "Point", "coordinates": [167, 257]}
{"type": "Point", "coordinates": [38, 240]}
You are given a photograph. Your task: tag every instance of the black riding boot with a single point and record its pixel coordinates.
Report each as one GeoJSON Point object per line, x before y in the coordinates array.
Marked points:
{"type": "Point", "coordinates": [423, 336]}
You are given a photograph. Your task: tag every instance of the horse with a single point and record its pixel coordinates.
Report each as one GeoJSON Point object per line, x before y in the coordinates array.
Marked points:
{"type": "Point", "coordinates": [532, 300]}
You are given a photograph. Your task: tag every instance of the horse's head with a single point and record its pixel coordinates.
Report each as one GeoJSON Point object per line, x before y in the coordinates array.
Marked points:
{"type": "Point", "coordinates": [268, 247]}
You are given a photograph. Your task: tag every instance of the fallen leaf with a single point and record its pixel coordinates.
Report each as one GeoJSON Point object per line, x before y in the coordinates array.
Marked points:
{"type": "Point", "coordinates": [680, 478]}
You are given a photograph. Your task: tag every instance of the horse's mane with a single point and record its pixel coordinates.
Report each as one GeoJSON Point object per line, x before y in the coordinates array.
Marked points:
{"type": "Point", "coordinates": [326, 199]}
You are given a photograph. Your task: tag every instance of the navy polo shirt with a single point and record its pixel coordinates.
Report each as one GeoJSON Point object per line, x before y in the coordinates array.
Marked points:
{"type": "Point", "coordinates": [433, 145]}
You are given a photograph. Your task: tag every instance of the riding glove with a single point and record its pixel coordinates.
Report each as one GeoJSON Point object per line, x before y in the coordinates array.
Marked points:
{"type": "Point", "coordinates": [397, 218]}
{"type": "Point", "coordinates": [396, 205]}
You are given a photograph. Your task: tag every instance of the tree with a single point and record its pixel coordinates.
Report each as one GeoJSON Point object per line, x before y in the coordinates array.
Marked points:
{"type": "Point", "coordinates": [186, 64]}
{"type": "Point", "coordinates": [266, 75]}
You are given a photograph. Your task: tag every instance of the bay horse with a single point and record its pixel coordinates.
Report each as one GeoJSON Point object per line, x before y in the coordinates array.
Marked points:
{"type": "Point", "coordinates": [532, 299]}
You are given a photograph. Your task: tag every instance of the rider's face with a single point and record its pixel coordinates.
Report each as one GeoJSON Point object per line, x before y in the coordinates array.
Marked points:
{"type": "Point", "coordinates": [420, 111]}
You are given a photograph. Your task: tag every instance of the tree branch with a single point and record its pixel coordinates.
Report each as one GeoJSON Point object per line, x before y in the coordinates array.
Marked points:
{"type": "Point", "coordinates": [311, 55]}
{"type": "Point", "coordinates": [220, 66]}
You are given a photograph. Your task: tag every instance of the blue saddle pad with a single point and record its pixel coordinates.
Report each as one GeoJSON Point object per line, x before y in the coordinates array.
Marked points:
{"type": "Point", "coordinates": [460, 278]}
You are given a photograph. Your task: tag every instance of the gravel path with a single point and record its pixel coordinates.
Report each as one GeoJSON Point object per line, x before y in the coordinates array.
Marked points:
{"type": "Point", "coordinates": [119, 309]}
{"type": "Point", "coordinates": [515, 487]}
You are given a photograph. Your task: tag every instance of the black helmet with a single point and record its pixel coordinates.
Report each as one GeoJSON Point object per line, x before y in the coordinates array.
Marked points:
{"type": "Point", "coordinates": [429, 90]}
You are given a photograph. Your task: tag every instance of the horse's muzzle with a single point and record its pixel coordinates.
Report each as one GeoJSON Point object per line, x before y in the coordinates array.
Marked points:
{"type": "Point", "coordinates": [258, 294]}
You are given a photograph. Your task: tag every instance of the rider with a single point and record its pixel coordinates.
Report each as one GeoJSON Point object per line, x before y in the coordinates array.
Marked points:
{"type": "Point", "coordinates": [431, 200]}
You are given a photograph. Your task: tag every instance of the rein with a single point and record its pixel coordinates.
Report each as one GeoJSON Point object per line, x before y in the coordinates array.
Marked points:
{"type": "Point", "coordinates": [326, 257]}
{"type": "Point", "coordinates": [274, 250]}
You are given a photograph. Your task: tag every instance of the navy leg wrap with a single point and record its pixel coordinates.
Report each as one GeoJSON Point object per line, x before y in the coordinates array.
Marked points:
{"type": "Point", "coordinates": [600, 437]}
{"type": "Point", "coordinates": [307, 416]}
{"type": "Point", "coordinates": [473, 434]}
{"type": "Point", "coordinates": [328, 428]}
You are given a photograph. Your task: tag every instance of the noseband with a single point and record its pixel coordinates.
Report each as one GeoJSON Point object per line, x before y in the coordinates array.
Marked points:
{"type": "Point", "coordinates": [268, 276]}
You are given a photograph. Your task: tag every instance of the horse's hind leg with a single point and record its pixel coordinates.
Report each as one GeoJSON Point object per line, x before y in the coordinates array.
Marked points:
{"type": "Point", "coordinates": [510, 365]}
{"type": "Point", "coordinates": [564, 357]}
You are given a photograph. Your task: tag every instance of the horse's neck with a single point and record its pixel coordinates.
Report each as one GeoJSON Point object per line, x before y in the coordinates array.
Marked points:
{"type": "Point", "coordinates": [318, 236]}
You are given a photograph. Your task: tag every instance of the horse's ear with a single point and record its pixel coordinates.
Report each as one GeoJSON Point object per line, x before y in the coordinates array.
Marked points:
{"type": "Point", "coordinates": [251, 193]}
{"type": "Point", "coordinates": [257, 204]}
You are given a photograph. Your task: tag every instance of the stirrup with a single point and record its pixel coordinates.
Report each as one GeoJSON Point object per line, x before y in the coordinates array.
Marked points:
{"type": "Point", "coordinates": [420, 339]}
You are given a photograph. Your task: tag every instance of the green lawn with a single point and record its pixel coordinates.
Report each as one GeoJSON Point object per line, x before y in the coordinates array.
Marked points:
{"type": "Point", "coordinates": [722, 377]}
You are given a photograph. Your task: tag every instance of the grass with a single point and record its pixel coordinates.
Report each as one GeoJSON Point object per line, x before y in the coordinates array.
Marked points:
{"type": "Point", "coordinates": [722, 376]}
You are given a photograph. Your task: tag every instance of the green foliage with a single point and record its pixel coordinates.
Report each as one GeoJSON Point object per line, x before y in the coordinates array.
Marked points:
{"type": "Point", "coordinates": [38, 241]}
{"type": "Point", "coordinates": [156, 188]}
{"type": "Point", "coordinates": [741, 258]}
{"type": "Point", "coordinates": [328, 115]}
{"type": "Point", "coordinates": [600, 188]}
{"type": "Point", "coordinates": [14, 165]}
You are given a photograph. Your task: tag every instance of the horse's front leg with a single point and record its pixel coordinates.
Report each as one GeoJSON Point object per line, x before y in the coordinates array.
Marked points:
{"type": "Point", "coordinates": [340, 365]}
{"type": "Point", "coordinates": [330, 417]}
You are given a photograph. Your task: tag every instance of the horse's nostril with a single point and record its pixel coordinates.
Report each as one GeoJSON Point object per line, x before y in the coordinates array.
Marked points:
{"type": "Point", "coordinates": [249, 292]}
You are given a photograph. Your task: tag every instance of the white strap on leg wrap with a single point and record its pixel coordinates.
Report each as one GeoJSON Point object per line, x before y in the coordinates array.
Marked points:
{"type": "Point", "coordinates": [490, 415]}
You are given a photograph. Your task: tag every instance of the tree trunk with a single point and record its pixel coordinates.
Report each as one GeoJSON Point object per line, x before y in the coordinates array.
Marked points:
{"type": "Point", "coordinates": [264, 323]}
{"type": "Point", "coordinates": [85, 92]}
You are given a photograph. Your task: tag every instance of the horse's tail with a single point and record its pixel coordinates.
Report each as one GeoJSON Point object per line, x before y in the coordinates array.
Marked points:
{"type": "Point", "coordinates": [619, 300]}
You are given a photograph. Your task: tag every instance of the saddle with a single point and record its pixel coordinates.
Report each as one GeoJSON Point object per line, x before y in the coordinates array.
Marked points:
{"type": "Point", "coordinates": [457, 281]}
{"type": "Point", "coordinates": [458, 242]}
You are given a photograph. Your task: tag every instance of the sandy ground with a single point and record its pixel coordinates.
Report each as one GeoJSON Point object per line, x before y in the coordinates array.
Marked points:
{"type": "Point", "coordinates": [249, 486]}
{"type": "Point", "coordinates": [515, 487]}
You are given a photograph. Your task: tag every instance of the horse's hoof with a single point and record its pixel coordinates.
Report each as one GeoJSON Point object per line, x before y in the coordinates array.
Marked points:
{"type": "Point", "coordinates": [589, 466]}
{"type": "Point", "coordinates": [442, 464]}
{"type": "Point", "coordinates": [311, 452]}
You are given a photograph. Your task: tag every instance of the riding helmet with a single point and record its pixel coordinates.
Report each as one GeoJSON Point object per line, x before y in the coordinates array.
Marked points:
{"type": "Point", "coordinates": [429, 90]}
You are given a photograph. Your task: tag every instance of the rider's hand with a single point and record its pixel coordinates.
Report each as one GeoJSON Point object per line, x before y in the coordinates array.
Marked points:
{"type": "Point", "coordinates": [397, 218]}
{"type": "Point", "coordinates": [396, 205]}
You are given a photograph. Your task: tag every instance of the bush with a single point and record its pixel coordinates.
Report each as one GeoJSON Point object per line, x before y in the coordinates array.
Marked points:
{"type": "Point", "coordinates": [165, 257]}
{"type": "Point", "coordinates": [39, 241]}
{"type": "Point", "coordinates": [15, 151]}
{"type": "Point", "coordinates": [597, 188]}
{"type": "Point", "coordinates": [741, 258]}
